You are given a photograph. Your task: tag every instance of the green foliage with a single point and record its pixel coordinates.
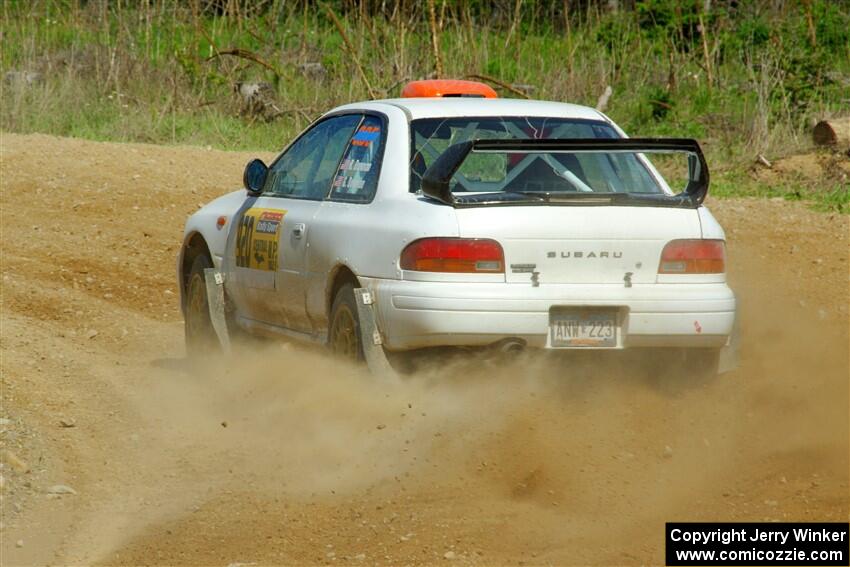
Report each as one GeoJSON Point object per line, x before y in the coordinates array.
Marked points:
{"type": "Point", "coordinates": [832, 26]}
{"type": "Point", "coordinates": [751, 33]}
{"type": "Point", "coordinates": [660, 102]}
{"type": "Point", "coordinates": [804, 77]}
{"type": "Point", "coordinates": [613, 32]}
{"type": "Point", "coordinates": [835, 200]}
{"type": "Point", "coordinates": [744, 77]}
{"type": "Point", "coordinates": [674, 22]}
{"type": "Point", "coordinates": [829, 196]}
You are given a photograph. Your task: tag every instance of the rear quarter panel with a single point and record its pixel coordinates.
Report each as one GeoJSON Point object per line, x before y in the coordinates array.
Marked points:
{"type": "Point", "coordinates": [710, 227]}
{"type": "Point", "coordinates": [368, 240]}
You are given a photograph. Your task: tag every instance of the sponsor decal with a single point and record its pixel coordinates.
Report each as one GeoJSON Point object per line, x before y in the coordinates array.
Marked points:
{"type": "Point", "coordinates": [269, 222]}
{"type": "Point", "coordinates": [353, 183]}
{"type": "Point", "coordinates": [365, 136]}
{"type": "Point", "coordinates": [349, 164]}
{"type": "Point", "coordinates": [257, 239]}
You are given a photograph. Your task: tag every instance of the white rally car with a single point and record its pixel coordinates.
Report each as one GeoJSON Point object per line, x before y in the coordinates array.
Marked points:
{"type": "Point", "coordinates": [451, 217]}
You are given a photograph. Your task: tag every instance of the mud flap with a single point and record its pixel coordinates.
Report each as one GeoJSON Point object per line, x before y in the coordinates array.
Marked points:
{"type": "Point", "coordinates": [215, 300]}
{"type": "Point", "coordinates": [370, 337]}
{"type": "Point", "coordinates": [729, 357]}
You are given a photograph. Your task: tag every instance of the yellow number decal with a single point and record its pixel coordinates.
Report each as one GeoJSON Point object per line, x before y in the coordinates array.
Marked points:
{"type": "Point", "coordinates": [257, 239]}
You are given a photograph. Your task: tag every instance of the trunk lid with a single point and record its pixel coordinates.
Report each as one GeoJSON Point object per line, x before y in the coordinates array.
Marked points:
{"type": "Point", "coordinates": [580, 244]}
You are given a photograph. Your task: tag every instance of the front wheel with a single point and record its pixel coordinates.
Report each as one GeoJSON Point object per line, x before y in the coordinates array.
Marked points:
{"type": "Point", "coordinates": [198, 328]}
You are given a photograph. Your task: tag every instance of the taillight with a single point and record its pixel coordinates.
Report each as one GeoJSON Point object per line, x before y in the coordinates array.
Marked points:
{"type": "Point", "coordinates": [457, 255]}
{"type": "Point", "coordinates": [693, 257]}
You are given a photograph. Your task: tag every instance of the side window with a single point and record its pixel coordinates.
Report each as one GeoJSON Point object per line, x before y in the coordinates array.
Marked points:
{"type": "Point", "coordinates": [357, 177]}
{"type": "Point", "coordinates": [305, 170]}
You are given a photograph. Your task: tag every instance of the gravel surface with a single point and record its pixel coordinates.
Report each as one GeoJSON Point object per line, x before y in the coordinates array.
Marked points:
{"type": "Point", "coordinates": [114, 450]}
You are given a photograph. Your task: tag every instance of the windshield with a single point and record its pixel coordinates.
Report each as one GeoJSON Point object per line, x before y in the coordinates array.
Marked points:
{"type": "Point", "coordinates": [528, 172]}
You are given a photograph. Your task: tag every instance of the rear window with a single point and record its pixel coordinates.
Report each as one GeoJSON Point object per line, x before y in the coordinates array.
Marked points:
{"type": "Point", "coordinates": [523, 172]}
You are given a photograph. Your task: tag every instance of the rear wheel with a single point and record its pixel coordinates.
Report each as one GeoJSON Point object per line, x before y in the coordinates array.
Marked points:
{"type": "Point", "coordinates": [199, 332]}
{"type": "Point", "coordinates": [344, 333]}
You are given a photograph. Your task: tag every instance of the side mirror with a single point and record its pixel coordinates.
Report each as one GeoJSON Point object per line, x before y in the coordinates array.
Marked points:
{"type": "Point", "coordinates": [254, 177]}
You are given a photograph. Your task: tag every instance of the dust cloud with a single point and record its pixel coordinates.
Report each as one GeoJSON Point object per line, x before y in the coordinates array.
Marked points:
{"type": "Point", "coordinates": [565, 449]}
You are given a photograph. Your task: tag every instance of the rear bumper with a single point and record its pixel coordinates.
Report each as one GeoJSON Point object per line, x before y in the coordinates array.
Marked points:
{"type": "Point", "coordinates": [424, 314]}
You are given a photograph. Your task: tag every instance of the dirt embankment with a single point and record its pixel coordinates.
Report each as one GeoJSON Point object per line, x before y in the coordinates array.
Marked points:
{"type": "Point", "coordinates": [280, 455]}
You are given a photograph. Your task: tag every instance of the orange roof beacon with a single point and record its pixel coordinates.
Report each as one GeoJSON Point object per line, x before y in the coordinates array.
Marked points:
{"type": "Point", "coordinates": [447, 88]}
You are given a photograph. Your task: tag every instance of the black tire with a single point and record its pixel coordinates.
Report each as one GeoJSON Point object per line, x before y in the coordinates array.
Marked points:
{"type": "Point", "coordinates": [200, 335]}
{"type": "Point", "coordinates": [344, 338]}
{"type": "Point", "coordinates": [344, 328]}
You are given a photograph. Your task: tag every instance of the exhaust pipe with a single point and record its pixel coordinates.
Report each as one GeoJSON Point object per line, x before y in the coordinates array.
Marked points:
{"type": "Point", "coordinates": [512, 346]}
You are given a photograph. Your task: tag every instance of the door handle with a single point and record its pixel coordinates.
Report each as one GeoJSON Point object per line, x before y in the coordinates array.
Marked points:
{"type": "Point", "coordinates": [299, 230]}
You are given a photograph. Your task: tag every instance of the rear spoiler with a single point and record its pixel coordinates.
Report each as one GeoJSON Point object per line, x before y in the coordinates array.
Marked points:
{"type": "Point", "coordinates": [435, 181]}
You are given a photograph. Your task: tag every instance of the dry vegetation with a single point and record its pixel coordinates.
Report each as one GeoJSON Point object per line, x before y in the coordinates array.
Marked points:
{"type": "Point", "coordinates": [746, 78]}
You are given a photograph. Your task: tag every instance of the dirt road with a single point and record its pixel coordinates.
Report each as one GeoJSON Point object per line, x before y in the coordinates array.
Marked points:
{"type": "Point", "coordinates": [279, 455]}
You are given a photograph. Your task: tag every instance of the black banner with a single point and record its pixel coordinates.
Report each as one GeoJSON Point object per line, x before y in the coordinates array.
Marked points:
{"type": "Point", "coordinates": [703, 543]}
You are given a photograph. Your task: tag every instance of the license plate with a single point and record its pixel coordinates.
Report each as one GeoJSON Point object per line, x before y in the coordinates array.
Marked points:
{"type": "Point", "coordinates": [588, 328]}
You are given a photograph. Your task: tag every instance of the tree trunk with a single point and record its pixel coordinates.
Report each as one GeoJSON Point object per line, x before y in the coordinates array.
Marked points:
{"type": "Point", "coordinates": [833, 131]}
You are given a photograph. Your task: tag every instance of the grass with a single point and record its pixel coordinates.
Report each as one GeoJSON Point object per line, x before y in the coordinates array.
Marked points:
{"type": "Point", "coordinates": [745, 78]}
{"type": "Point", "coordinates": [825, 194]}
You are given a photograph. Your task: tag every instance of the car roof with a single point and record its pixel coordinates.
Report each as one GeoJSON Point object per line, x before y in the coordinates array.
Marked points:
{"type": "Point", "coordinates": [449, 107]}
